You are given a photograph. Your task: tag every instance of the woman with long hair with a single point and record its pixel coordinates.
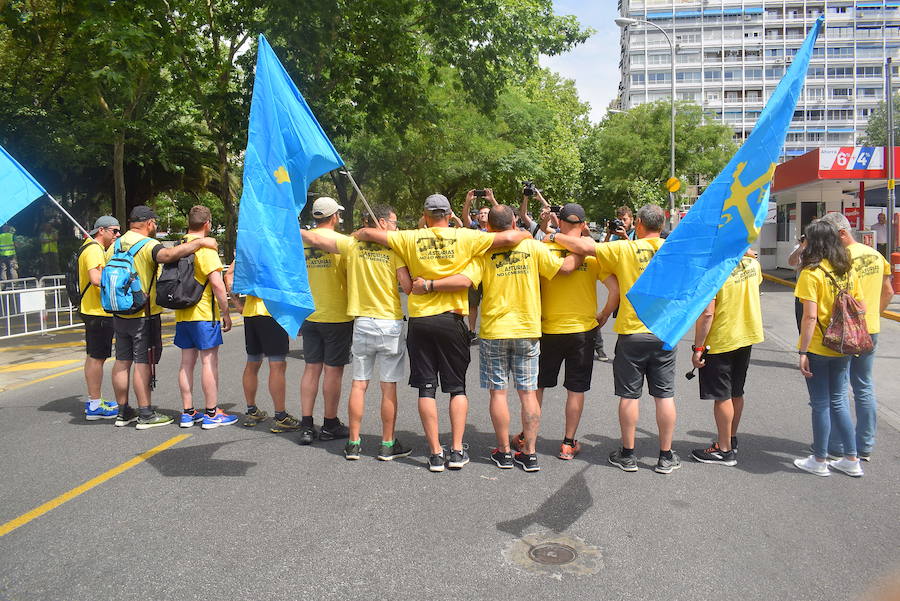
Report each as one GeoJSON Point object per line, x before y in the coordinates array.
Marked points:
{"type": "Point", "coordinates": [826, 269]}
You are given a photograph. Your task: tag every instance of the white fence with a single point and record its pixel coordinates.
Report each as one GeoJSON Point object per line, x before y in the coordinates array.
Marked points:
{"type": "Point", "coordinates": [30, 306]}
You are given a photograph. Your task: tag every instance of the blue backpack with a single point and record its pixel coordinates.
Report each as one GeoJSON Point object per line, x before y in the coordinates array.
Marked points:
{"type": "Point", "coordinates": [121, 292]}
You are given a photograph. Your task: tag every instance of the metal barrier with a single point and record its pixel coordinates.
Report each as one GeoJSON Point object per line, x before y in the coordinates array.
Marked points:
{"type": "Point", "coordinates": [19, 284]}
{"type": "Point", "coordinates": [36, 310]}
{"type": "Point", "coordinates": [52, 280]}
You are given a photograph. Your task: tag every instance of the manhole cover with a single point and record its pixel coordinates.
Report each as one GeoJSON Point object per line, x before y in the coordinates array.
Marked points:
{"type": "Point", "coordinates": [552, 554]}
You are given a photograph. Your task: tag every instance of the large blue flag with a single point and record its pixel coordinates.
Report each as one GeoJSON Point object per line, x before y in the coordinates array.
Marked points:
{"type": "Point", "coordinates": [286, 150]}
{"type": "Point", "coordinates": [697, 257]}
{"type": "Point", "coordinates": [19, 188]}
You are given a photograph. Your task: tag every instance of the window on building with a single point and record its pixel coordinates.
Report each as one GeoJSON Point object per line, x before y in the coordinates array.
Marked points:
{"type": "Point", "coordinates": [774, 72]}
{"type": "Point", "coordinates": [864, 113]}
{"type": "Point", "coordinates": [637, 59]}
{"type": "Point", "coordinates": [713, 56]}
{"type": "Point", "coordinates": [814, 136]}
{"type": "Point", "coordinates": [712, 96]}
{"type": "Point", "coordinates": [868, 71]}
{"type": "Point", "coordinates": [732, 96]}
{"type": "Point", "coordinates": [839, 72]}
{"type": "Point", "coordinates": [687, 76]}
{"type": "Point", "coordinates": [731, 75]}
{"type": "Point", "coordinates": [783, 222]}
{"type": "Point", "coordinates": [869, 92]}
{"type": "Point", "coordinates": [814, 115]}
{"type": "Point", "coordinates": [687, 58]}
{"type": "Point", "coordinates": [812, 73]}
{"type": "Point", "coordinates": [814, 94]}
{"type": "Point", "coordinates": [840, 52]}
{"type": "Point", "coordinates": [840, 114]}
{"type": "Point", "coordinates": [774, 52]}
{"type": "Point", "coordinates": [688, 96]}
{"type": "Point", "coordinates": [659, 77]}
{"type": "Point", "coordinates": [841, 92]}
{"type": "Point", "coordinates": [753, 95]}
{"type": "Point", "coordinates": [712, 74]}
{"type": "Point", "coordinates": [658, 58]}
{"type": "Point", "coordinates": [637, 78]}
{"type": "Point", "coordinates": [753, 73]}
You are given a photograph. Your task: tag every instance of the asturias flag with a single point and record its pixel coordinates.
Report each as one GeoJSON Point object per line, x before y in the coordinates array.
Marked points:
{"type": "Point", "coordinates": [286, 150]}
{"type": "Point", "coordinates": [19, 188]}
{"type": "Point", "coordinates": [697, 257]}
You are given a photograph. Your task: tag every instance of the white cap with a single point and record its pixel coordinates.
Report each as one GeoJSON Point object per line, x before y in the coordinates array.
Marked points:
{"type": "Point", "coordinates": [325, 207]}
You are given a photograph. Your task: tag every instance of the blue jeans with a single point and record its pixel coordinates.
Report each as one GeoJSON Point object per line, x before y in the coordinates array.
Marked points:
{"type": "Point", "coordinates": [864, 398]}
{"type": "Point", "coordinates": [830, 405]}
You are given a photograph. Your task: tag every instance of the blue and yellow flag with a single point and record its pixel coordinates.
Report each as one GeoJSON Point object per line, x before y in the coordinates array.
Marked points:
{"type": "Point", "coordinates": [20, 189]}
{"type": "Point", "coordinates": [286, 150]}
{"type": "Point", "coordinates": [697, 257]}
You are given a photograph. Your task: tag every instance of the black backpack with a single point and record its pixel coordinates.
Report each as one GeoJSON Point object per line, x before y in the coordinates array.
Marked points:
{"type": "Point", "coordinates": [176, 287]}
{"type": "Point", "coordinates": [72, 288]}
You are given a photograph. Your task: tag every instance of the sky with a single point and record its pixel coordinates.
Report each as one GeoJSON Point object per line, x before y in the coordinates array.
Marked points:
{"type": "Point", "coordinates": [593, 65]}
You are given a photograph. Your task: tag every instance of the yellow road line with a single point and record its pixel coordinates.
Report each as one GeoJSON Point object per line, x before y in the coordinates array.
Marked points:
{"type": "Point", "coordinates": [68, 496]}
{"type": "Point", "coordinates": [38, 347]}
{"type": "Point", "coordinates": [33, 365]}
{"type": "Point", "coordinates": [893, 316]}
{"type": "Point", "coordinates": [43, 379]}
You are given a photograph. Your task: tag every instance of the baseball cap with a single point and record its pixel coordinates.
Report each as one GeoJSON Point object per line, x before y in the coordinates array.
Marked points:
{"type": "Point", "coordinates": [325, 207]}
{"type": "Point", "coordinates": [437, 202]}
{"type": "Point", "coordinates": [105, 221]}
{"type": "Point", "coordinates": [141, 213]}
{"type": "Point", "coordinates": [570, 210]}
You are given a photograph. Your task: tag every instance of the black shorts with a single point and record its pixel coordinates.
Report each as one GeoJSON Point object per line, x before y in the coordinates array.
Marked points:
{"type": "Point", "coordinates": [98, 336]}
{"type": "Point", "coordinates": [724, 374]}
{"type": "Point", "coordinates": [438, 348]}
{"type": "Point", "coordinates": [639, 356]}
{"type": "Point", "coordinates": [136, 336]}
{"type": "Point", "coordinates": [475, 294]}
{"type": "Point", "coordinates": [577, 350]}
{"type": "Point", "coordinates": [327, 343]}
{"type": "Point", "coordinates": [263, 336]}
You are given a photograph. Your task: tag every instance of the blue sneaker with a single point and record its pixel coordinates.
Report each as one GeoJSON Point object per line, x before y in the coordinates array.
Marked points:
{"type": "Point", "coordinates": [219, 419]}
{"type": "Point", "coordinates": [105, 410]}
{"type": "Point", "coordinates": [187, 420]}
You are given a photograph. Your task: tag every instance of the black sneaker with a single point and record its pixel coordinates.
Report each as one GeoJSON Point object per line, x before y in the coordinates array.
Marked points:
{"type": "Point", "coordinates": [127, 414]}
{"type": "Point", "coordinates": [307, 435]}
{"type": "Point", "coordinates": [599, 355]}
{"type": "Point", "coordinates": [351, 451]}
{"type": "Point", "coordinates": [288, 424]}
{"type": "Point", "coordinates": [436, 462]}
{"type": "Point", "coordinates": [714, 454]}
{"type": "Point", "coordinates": [667, 466]}
{"type": "Point", "coordinates": [626, 464]}
{"type": "Point", "coordinates": [251, 419]}
{"type": "Point", "coordinates": [394, 451]}
{"type": "Point", "coordinates": [334, 432]}
{"type": "Point", "coordinates": [734, 445]}
{"type": "Point", "coordinates": [473, 338]}
{"type": "Point", "coordinates": [528, 462]}
{"type": "Point", "coordinates": [457, 459]}
{"type": "Point", "coordinates": [503, 459]}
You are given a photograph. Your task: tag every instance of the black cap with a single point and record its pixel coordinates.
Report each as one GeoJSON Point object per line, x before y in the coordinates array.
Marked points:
{"type": "Point", "coordinates": [571, 210]}
{"type": "Point", "coordinates": [141, 213]}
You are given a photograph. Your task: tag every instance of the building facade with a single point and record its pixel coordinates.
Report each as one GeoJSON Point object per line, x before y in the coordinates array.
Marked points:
{"type": "Point", "coordinates": [730, 55]}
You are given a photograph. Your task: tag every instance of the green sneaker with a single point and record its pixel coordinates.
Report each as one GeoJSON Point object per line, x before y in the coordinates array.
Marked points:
{"type": "Point", "coordinates": [288, 424]}
{"type": "Point", "coordinates": [153, 420]}
{"type": "Point", "coordinates": [351, 451]}
{"type": "Point", "coordinates": [251, 419]}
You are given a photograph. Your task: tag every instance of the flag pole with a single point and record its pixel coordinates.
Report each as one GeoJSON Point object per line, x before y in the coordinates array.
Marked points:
{"type": "Point", "coordinates": [66, 213]}
{"type": "Point", "coordinates": [346, 172]}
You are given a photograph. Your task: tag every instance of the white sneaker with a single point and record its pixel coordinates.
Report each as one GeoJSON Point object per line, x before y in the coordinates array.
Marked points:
{"type": "Point", "coordinates": [851, 468]}
{"type": "Point", "coordinates": [809, 464]}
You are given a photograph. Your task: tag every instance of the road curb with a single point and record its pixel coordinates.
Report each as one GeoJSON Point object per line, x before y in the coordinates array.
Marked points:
{"type": "Point", "coordinates": [886, 314]}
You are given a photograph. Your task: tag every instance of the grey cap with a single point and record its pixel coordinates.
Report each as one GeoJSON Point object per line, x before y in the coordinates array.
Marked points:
{"type": "Point", "coordinates": [105, 221]}
{"type": "Point", "coordinates": [325, 207]}
{"type": "Point", "coordinates": [437, 202]}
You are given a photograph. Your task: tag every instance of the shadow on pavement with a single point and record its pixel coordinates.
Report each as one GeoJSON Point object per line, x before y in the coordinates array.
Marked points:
{"type": "Point", "coordinates": [198, 460]}
{"type": "Point", "coordinates": [574, 496]}
{"type": "Point", "coordinates": [756, 454]}
{"type": "Point", "coordinates": [73, 406]}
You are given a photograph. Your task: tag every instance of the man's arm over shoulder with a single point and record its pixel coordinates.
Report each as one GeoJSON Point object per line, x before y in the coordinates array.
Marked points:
{"type": "Point", "coordinates": [373, 234]}
{"type": "Point", "coordinates": [508, 238]}
{"type": "Point", "coordinates": [170, 255]}
{"type": "Point", "coordinates": [317, 240]}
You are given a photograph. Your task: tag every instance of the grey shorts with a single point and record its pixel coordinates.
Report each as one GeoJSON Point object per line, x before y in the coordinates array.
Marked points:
{"type": "Point", "coordinates": [381, 340]}
{"type": "Point", "coordinates": [509, 356]}
{"type": "Point", "coordinates": [135, 336]}
{"type": "Point", "coordinates": [640, 356]}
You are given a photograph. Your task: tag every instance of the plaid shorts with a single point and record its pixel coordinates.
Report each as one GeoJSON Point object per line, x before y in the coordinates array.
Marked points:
{"type": "Point", "coordinates": [516, 356]}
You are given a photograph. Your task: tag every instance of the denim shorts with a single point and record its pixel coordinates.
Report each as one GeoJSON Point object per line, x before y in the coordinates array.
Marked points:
{"type": "Point", "coordinates": [381, 340]}
{"type": "Point", "coordinates": [509, 356]}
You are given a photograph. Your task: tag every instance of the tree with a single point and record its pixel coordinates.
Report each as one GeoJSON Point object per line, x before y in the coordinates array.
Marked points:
{"type": "Point", "coordinates": [876, 127]}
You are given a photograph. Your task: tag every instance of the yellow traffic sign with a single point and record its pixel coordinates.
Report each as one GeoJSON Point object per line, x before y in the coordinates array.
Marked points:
{"type": "Point", "coordinates": [673, 184]}
{"type": "Point", "coordinates": [890, 184]}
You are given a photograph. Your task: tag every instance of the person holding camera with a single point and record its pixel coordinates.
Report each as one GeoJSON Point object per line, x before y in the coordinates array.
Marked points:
{"type": "Point", "coordinates": [548, 221]}
{"type": "Point", "coordinates": [622, 227]}
{"type": "Point", "coordinates": [639, 353]}
{"type": "Point", "coordinates": [481, 216]}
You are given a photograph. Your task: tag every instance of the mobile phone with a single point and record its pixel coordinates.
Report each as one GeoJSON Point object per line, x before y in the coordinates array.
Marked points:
{"type": "Point", "coordinates": [480, 193]}
{"type": "Point", "coordinates": [555, 208]}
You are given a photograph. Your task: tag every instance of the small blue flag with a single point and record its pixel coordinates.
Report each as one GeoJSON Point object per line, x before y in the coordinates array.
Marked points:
{"type": "Point", "coordinates": [19, 188]}
{"type": "Point", "coordinates": [697, 257]}
{"type": "Point", "coordinates": [286, 150]}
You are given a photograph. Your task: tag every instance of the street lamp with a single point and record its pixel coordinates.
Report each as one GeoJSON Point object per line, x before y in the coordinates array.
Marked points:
{"type": "Point", "coordinates": [625, 22]}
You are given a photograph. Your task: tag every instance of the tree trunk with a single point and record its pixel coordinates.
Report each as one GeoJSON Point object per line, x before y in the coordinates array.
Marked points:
{"type": "Point", "coordinates": [119, 175]}
{"type": "Point", "coordinates": [344, 198]}
{"type": "Point", "coordinates": [227, 202]}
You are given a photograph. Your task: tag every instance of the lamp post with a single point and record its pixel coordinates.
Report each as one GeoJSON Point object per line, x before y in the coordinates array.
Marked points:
{"type": "Point", "coordinates": [625, 22]}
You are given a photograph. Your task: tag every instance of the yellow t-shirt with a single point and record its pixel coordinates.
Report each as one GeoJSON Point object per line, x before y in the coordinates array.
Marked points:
{"type": "Point", "coordinates": [436, 253]}
{"type": "Point", "coordinates": [371, 279]}
{"type": "Point", "coordinates": [814, 285]}
{"type": "Point", "coordinates": [327, 281]}
{"type": "Point", "coordinates": [738, 318]}
{"type": "Point", "coordinates": [626, 259]}
{"type": "Point", "coordinates": [254, 307]}
{"type": "Point", "coordinates": [871, 268]}
{"type": "Point", "coordinates": [206, 261]}
{"type": "Point", "coordinates": [145, 266]}
{"type": "Point", "coordinates": [569, 303]}
{"type": "Point", "coordinates": [511, 305]}
{"type": "Point", "coordinates": [91, 257]}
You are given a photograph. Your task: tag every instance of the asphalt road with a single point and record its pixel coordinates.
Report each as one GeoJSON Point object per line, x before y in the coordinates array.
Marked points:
{"type": "Point", "coordinates": [239, 513]}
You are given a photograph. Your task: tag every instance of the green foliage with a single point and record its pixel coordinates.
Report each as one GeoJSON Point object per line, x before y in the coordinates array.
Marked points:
{"type": "Point", "coordinates": [876, 127]}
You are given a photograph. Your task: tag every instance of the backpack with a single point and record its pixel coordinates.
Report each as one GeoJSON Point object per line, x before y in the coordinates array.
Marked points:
{"type": "Point", "coordinates": [72, 288]}
{"type": "Point", "coordinates": [176, 287]}
{"type": "Point", "coordinates": [121, 292]}
{"type": "Point", "coordinates": [847, 332]}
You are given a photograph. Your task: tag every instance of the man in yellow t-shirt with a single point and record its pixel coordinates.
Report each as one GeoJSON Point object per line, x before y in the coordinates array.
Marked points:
{"type": "Point", "coordinates": [49, 239]}
{"type": "Point", "coordinates": [374, 273]}
{"type": "Point", "coordinates": [9, 267]}
{"type": "Point", "coordinates": [139, 337]}
{"type": "Point", "coordinates": [875, 280]}
{"type": "Point", "coordinates": [198, 332]}
{"type": "Point", "coordinates": [98, 324]}
{"type": "Point", "coordinates": [723, 336]}
{"type": "Point", "coordinates": [438, 339]}
{"type": "Point", "coordinates": [639, 354]}
{"type": "Point", "coordinates": [327, 332]}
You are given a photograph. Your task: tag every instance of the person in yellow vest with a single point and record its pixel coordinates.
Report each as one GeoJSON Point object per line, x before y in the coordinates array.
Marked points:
{"type": "Point", "coordinates": [98, 324]}
{"type": "Point", "coordinates": [9, 268]}
{"type": "Point", "coordinates": [49, 250]}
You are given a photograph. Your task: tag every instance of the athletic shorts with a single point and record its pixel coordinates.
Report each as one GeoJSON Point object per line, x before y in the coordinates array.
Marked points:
{"type": "Point", "coordinates": [475, 294]}
{"type": "Point", "coordinates": [640, 356]}
{"type": "Point", "coordinates": [504, 357]}
{"type": "Point", "coordinates": [382, 340]}
{"type": "Point", "coordinates": [577, 350]}
{"type": "Point", "coordinates": [438, 348]}
{"type": "Point", "coordinates": [135, 337]}
{"type": "Point", "coordinates": [263, 336]}
{"type": "Point", "coordinates": [200, 335]}
{"type": "Point", "coordinates": [724, 374]}
{"type": "Point", "coordinates": [327, 343]}
{"type": "Point", "coordinates": [98, 336]}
